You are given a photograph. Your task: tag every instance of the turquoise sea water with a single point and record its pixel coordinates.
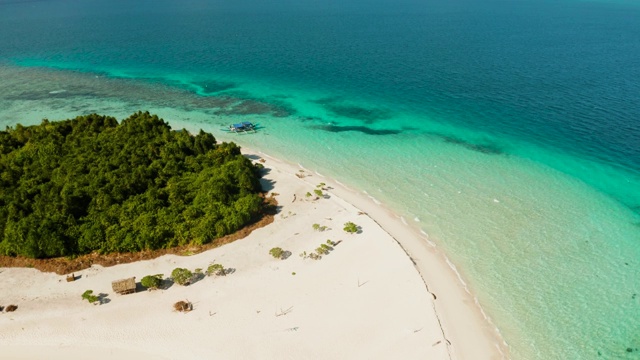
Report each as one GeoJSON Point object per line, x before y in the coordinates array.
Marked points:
{"type": "Point", "coordinates": [509, 132]}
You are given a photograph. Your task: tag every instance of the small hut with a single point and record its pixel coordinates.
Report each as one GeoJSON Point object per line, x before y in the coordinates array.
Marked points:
{"type": "Point", "coordinates": [124, 286]}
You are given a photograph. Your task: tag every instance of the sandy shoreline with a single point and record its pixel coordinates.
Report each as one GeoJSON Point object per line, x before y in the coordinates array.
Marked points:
{"type": "Point", "coordinates": [365, 300]}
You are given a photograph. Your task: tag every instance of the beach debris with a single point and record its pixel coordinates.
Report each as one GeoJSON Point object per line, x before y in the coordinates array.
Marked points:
{"type": "Point", "coordinates": [361, 284]}
{"type": "Point", "coordinates": [262, 160]}
{"type": "Point", "coordinates": [124, 286]}
{"type": "Point", "coordinates": [294, 198]}
{"type": "Point", "coordinates": [1, 308]}
{"type": "Point", "coordinates": [440, 341]}
{"type": "Point", "coordinates": [71, 278]}
{"type": "Point", "coordinates": [11, 308]}
{"type": "Point", "coordinates": [211, 314]}
{"type": "Point", "coordinates": [292, 329]}
{"type": "Point", "coordinates": [183, 306]}
{"type": "Point", "coordinates": [418, 330]}
{"type": "Point", "coordinates": [284, 312]}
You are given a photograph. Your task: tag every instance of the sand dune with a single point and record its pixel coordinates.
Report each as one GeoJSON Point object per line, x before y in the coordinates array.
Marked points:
{"type": "Point", "coordinates": [365, 300]}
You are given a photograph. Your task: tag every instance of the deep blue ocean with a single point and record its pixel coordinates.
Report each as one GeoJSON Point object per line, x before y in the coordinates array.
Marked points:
{"type": "Point", "coordinates": [507, 131]}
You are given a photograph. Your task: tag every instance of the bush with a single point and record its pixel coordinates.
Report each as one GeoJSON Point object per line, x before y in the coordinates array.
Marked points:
{"type": "Point", "coordinates": [350, 227]}
{"type": "Point", "coordinates": [87, 295]}
{"type": "Point", "coordinates": [318, 192]}
{"type": "Point", "coordinates": [308, 194]}
{"type": "Point", "coordinates": [317, 227]}
{"type": "Point", "coordinates": [151, 282]}
{"type": "Point", "coordinates": [181, 276]}
{"type": "Point", "coordinates": [276, 252]}
{"type": "Point", "coordinates": [11, 308]}
{"type": "Point", "coordinates": [216, 269]}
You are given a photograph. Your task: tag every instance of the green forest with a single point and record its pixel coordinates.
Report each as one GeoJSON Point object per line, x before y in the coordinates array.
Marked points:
{"type": "Point", "coordinates": [92, 184]}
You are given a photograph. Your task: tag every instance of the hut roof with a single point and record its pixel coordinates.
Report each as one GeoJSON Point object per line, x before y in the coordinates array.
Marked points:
{"type": "Point", "coordinates": [124, 286]}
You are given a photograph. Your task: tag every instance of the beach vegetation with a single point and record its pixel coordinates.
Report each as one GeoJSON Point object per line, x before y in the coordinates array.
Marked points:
{"type": "Point", "coordinates": [276, 252]}
{"type": "Point", "coordinates": [318, 192]}
{"type": "Point", "coordinates": [350, 227]}
{"type": "Point", "coordinates": [216, 269]}
{"type": "Point", "coordinates": [321, 185]}
{"type": "Point", "coordinates": [182, 276]}
{"type": "Point", "coordinates": [88, 295]}
{"type": "Point", "coordinates": [318, 227]}
{"type": "Point", "coordinates": [152, 282]}
{"type": "Point", "coordinates": [11, 308]}
{"type": "Point", "coordinates": [308, 195]}
{"type": "Point", "coordinates": [92, 184]}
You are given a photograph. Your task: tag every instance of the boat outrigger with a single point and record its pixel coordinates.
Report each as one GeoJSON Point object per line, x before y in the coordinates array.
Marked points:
{"type": "Point", "coordinates": [242, 127]}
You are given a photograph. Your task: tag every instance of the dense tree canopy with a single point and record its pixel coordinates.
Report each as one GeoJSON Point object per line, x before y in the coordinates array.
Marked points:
{"type": "Point", "coordinates": [91, 184]}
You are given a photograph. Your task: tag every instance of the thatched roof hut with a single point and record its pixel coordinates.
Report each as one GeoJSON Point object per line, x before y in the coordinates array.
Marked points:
{"type": "Point", "coordinates": [124, 286]}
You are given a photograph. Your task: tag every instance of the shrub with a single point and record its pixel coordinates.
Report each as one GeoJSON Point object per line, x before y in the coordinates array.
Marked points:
{"type": "Point", "coordinates": [216, 269]}
{"type": "Point", "coordinates": [317, 227]}
{"type": "Point", "coordinates": [151, 282]}
{"type": "Point", "coordinates": [11, 308]}
{"type": "Point", "coordinates": [318, 192]}
{"type": "Point", "coordinates": [87, 295]}
{"type": "Point", "coordinates": [276, 252]}
{"type": "Point", "coordinates": [315, 256]}
{"type": "Point", "coordinates": [321, 185]}
{"type": "Point", "coordinates": [350, 227]}
{"type": "Point", "coordinates": [182, 276]}
{"type": "Point", "coordinates": [332, 243]}
{"type": "Point", "coordinates": [308, 194]}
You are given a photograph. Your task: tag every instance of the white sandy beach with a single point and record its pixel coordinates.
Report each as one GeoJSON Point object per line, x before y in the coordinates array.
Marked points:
{"type": "Point", "coordinates": [365, 300]}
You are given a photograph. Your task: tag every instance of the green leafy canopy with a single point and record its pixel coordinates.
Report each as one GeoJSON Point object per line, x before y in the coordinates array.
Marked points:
{"type": "Point", "coordinates": [93, 184]}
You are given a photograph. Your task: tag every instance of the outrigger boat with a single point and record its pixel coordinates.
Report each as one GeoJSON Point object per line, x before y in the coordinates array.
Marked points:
{"type": "Point", "coordinates": [242, 127]}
